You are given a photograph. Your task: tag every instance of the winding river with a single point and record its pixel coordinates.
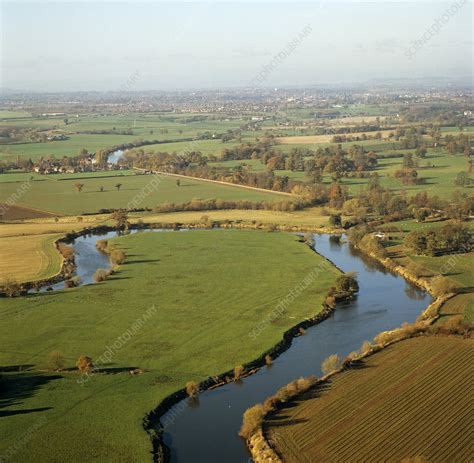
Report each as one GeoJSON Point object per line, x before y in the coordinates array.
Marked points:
{"type": "Point", "coordinates": [206, 430]}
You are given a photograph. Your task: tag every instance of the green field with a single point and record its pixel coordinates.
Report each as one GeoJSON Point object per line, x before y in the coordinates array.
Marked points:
{"type": "Point", "coordinates": [62, 197]}
{"type": "Point", "coordinates": [143, 127]}
{"type": "Point", "coordinates": [200, 326]}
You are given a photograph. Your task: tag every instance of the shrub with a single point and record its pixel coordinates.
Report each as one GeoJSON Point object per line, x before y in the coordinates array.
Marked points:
{"type": "Point", "coordinates": [84, 364]}
{"type": "Point", "coordinates": [66, 251]}
{"type": "Point", "coordinates": [11, 287]}
{"type": "Point", "coordinates": [117, 257]}
{"type": "Point", "coordinates": [330, 364]}
{"type": "Point", "coordinates": [365, 348]}
{"type": "Point", "coordinates": [238, 370]}
{"type": "Point", "coordinates": [346, 283]}
{"type": "Point", "coordinates": [101, 245]}
{"type": "Point", "coordinates": [56, 361]}
{"type": "Point", "coordinates": [192, 388]}
{"type": "Point", "coordinates": [253, 419]}
{"type": "Point", "coordinates": [100, 275]}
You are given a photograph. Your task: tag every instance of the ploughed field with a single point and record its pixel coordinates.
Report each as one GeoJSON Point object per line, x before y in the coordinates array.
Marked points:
{"type": "Point", "coordinates": [410, 399]}
{"type": "Point", "coordinates": [195, 297]}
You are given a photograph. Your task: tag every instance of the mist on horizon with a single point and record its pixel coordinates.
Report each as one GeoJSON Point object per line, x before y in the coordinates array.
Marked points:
{"type": "Point", "coordinates": [144, 46]}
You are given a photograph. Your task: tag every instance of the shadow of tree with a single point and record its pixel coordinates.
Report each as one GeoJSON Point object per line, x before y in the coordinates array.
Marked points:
{"type": "Point", "coordinates": [17, 385]}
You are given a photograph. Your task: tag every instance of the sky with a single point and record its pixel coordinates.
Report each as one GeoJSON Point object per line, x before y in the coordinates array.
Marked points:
{"type": "Point", "coordinates": [105, 45]}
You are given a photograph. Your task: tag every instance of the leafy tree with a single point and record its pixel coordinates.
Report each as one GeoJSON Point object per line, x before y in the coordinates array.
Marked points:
{"type": "Point", "coordinates": [192, 388]}
{"type": "Point", "coordinates": [335, 220]}
{"type": "Point", "coordinates": [462, 179]}
{"type": "Point", "coordinates": [330, 364]}
{"type": "Point", "coordinates": [118, 185]}
{"type": "Point", "coordinates": [79, 187]}
{"type": "Point", "coordinates": [346, 283]}
{"type": "Point", "coordinates": [56, 361]}
{"type": "Point", "coordinates": [84, 364]}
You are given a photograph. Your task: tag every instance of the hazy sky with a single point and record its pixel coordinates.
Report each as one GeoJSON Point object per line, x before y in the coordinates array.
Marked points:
{"type": "Point", "coordinates": [157, 45]}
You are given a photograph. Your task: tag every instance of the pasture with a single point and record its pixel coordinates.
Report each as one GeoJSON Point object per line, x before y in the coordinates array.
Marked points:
{"type": "Point", "coordinates": [199, 327]}
{"type": "Point", "coordinates": [409, 400]}
{"type": "Point", "coordinates": [62, 197]}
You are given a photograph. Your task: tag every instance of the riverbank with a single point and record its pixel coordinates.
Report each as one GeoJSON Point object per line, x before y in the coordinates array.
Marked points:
{"type": "Point", "coordinates": [260, 447]}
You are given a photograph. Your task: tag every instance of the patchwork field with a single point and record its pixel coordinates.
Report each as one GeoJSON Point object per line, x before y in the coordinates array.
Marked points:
{"type": "Point", "coordinates": [198, 327]}
{"type": "Point", "coordinates": [409, 400]}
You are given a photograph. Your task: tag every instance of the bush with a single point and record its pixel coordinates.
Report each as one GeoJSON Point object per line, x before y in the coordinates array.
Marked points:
{"type": "Point", "coordinates": [192, 388]}
{"type": "Point", "coordinates": [101, 245]}
{"type": "Point", "coordinates": [346, 283]}
{"type": "Point", "coordinates": [66, 251]}
{"type": "Point", "coordinates": [252, 421]}
{"type": "Point", "coordinates": [56, 361]}
{"type": "Point", "coordinates": [11, 287]}
{"type": "Point", "coordinates": [117, 257]}
{"type": "Point", "coordinates": [330, 364]}
{"type": "Point", "coordinates": [100, 275]}
{"type": "Point", "coordinates": [365, 348]}
{"type": "Point", "coordinates": [238, 370]}
{"type": "Point", "coordinates": [84, 364]}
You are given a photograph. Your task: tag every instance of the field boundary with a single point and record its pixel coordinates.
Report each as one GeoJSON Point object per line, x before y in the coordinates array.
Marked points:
{"type": "Point", "coordinates": [220, 182]}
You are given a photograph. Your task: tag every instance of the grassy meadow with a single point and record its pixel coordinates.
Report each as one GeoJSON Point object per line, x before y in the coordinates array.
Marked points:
{"type": "Point", "coordinates": [199, 326]}
{"type": "Point", "coordinates": [60, 196]}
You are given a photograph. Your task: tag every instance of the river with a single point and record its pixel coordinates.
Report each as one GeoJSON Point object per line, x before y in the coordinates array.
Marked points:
{"type": "Point", "coordinates": [206, 430]}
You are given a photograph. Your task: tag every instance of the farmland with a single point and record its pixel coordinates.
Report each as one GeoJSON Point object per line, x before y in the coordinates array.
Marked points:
{"type": "Point", "coordinates": [406, 401]}
{"type": "Point", "coordinates": [29, 259]}
{"type": "Point", "coordinates": [195, 332]}
{"type": "Point", "coordinates": [61, 196]}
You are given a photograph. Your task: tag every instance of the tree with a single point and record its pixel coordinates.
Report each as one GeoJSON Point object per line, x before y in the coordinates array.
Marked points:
{"type": "Point", "coordinates": [330, 364]}
{"type": "Point", "coordinates": [84, 364]}
{"type": "Point", "coordinates": [120, 217]}
{"type": "Point", "coordinates": [335, 220]}
{"type": "Point", "coordinates": [346, 283]}
{"type": "Point", "coordinates": [252, 420]}
{"type": "Point", "coordinates": [238, 370]}
{"type": "Point", "coordinates": [56, 361]}
{"type": "Point", "coordinates": [178, 182]}
{"type": "Point", "coordinates": [11, 287]}
{"type": "Point", "coordinates": [118, 185]}
{"type": "Point", "coordinates": [79, 187]}
{"type": "Point", "coordinates": [66, 251]}
{"type": "Point", "coordinates": [117, 257]}
{"type": "Point", "coordinates": [192, 388]}
{"type": "Point", "coordinates": [101, 189]}
{"type": "Point", "coordinates": [462, 179]}
{"type": "Point", "coordinates": [100, 275]}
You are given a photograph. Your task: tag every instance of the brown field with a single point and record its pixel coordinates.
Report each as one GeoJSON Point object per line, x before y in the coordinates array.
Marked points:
{"type": "Point", "coordinates": [411, 399]}
{"type": "Point", "coordinates": [21, 212]}
{"type": "Point", "coordinates": [29, 258]}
